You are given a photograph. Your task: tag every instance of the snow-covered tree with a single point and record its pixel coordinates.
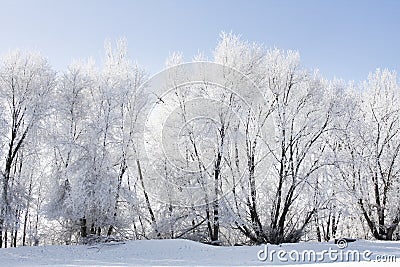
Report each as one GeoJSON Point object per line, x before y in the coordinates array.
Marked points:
{"type": "Point", "coordinates": [370, 156]}
{"type": "Point", "coordinates": [26, 81]}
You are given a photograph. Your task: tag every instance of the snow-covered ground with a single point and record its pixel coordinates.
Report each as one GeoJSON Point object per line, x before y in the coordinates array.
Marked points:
{"type": "Point", "coordinates": [184, 252]}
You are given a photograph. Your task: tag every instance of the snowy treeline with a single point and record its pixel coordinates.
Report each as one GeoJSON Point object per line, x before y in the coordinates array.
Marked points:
{"type": "Point", "coordinates": [321, 161]}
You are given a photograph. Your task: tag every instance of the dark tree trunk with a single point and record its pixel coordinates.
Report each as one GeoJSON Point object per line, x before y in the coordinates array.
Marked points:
{"type": "Point", "coordinates": [153, 218]}
{"type": "Point", "coordinates": [83, 227]}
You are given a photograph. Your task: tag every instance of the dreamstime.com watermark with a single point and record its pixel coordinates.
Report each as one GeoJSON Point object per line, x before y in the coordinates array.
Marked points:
{"type": "Point", "coordinates": [339, 254]}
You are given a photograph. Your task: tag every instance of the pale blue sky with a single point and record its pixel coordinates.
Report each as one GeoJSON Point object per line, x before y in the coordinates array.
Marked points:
{"type": "Point", "coordinates": [346, 39]}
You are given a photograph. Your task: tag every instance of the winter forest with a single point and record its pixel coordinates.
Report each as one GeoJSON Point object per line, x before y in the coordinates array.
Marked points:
{"type": "Point", "coordinates": [84, 159]}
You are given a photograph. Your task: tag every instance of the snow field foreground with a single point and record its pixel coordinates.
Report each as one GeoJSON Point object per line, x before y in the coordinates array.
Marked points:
{"type": "Point", "coordinates": [189, 253]}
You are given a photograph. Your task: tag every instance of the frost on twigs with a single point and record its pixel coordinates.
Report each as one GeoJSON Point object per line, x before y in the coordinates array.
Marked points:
{"type": "Point", "coordinates": [94, 239]}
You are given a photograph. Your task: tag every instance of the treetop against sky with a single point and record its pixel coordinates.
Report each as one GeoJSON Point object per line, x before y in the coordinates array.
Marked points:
{"type": "Point", "coordinates": [344, 39]}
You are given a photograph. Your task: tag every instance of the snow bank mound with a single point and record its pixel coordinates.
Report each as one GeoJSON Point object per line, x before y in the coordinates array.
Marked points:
{"type": "Point", "coordinates": [189, 253]}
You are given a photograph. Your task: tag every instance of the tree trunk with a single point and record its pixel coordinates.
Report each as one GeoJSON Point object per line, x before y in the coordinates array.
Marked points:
{"type": "Point", "coordinates": [153, 218]}
{"type": "Point", "coordinates": [83, 227]}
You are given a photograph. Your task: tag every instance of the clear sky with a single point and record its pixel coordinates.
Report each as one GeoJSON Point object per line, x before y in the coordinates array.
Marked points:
{"type": "Point", "coordinates": [342, 38]}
